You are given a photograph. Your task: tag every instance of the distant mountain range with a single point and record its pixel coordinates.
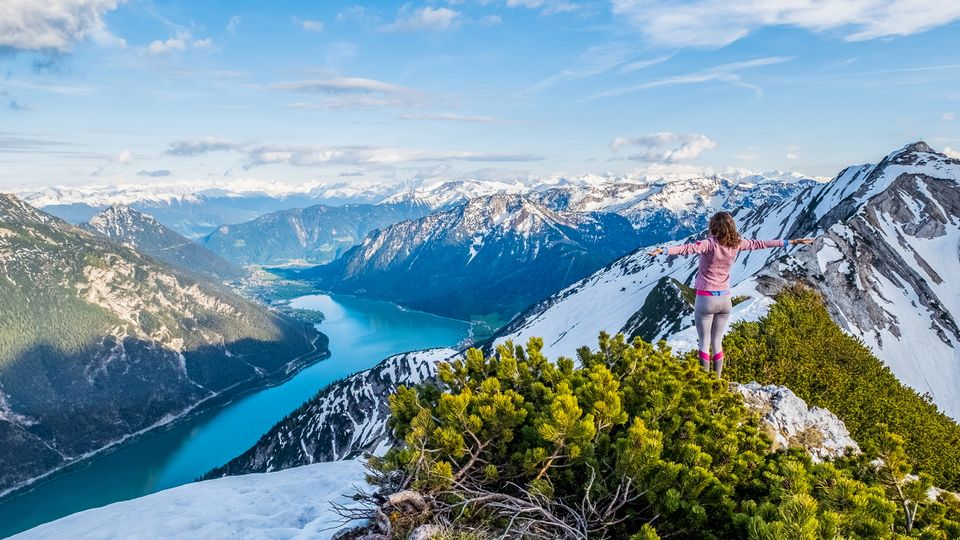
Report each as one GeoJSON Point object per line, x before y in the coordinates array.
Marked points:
{"type": "Point", "coordinates": [493, 255]}
{"type": "Point", "coordinates": [197, 209]}
{"type": "Point", "coordinates": [316, 234]}
{"type": "Point", "coordinates": [99, 342]}
{"type": "Point", "coordinates": [145, 234]}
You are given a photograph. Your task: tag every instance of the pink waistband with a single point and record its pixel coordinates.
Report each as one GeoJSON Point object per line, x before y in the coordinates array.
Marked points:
{"type": "Point", "coordinates": [702, 292]}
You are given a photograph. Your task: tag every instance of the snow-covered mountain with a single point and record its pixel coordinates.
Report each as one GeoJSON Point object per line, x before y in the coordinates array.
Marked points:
{"type": "Point", "coordinates": [313, 235]}
{"type": "Point", "coordinates": [491, 255]}
{"type": "Point", "coordinates": [99, 342]}
{"type": "Point", "coordinates": [195, 209]}
{"type": "Point", "coordinates": [145, 234]}
{"type": "Point", "coordinates": [663, 211]}
{"type": "Point", "coordinates": [885, 260]}
{"type": "Point", "coordinates": [343, 421]}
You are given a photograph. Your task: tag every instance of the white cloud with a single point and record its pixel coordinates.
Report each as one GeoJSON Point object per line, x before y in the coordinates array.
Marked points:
{"type": "Point", "coordinates": [125, 157]}
{"type": "Point", "coordinates": [307, 155]}
{"type": "Point", "coordinates": [716, 23]}
{"type": "Point", "coordinates": [547, 7]}
{"type": "Point", "coordinates": [950, 152]}
{"type": "Point", "coordinates": [664, 147]}
{"type": "Point", "coordinates": [725, 73]}
{"type": "Point", "coordinates": [426, 18]}
{"type": "Point", "coordinates": [597, 60]}
{"type": "Point", "coordinates": [180, 41]}
{"type": "Point", "coordinates": [338, 85]}
{"type": "Point", "coordinates": [450, 117]}
{"type": "Point", "coordinates": [948, 116]}
{"type": "Point", "coordinates": [233, 24]}
{"type": "Point", "coordinates": [309, 24]}
{"type": "Point", "coordinates": [158, 173]}
{"type": "Point", "coordinates": [194, 148]}
{"type": "Point", "coordinates": [54, 25]}
{"type": "Point", "coordinates": [352, 13]}
{"type": "Point", "coordinates": [351, 92]}
{"type": "Point", "coordinates": [792, 156]}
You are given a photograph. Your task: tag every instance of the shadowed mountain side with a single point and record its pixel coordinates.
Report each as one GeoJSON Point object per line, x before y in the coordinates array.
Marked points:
{"type": "Point", "coordinates": [55, 406]}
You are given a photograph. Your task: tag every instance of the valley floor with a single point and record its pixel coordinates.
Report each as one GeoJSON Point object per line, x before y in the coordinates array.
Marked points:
{"type": "Point", "coordinates": [290, 504]}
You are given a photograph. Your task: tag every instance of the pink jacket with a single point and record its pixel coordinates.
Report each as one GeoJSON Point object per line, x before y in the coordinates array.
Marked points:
{"type": "Point", "coordinates": [716, 260]}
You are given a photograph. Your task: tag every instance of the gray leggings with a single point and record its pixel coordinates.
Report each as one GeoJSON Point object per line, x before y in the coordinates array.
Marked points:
{"type": "Point", "coordinates": [711, 314]}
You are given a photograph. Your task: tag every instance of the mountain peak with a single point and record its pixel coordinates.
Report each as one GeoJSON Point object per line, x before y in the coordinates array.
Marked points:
{"type": "Point", "coordinates": [918, 146]}
{"type": "Point", "coordinates": [118, 220]}
{"type": "Point", "coordinates": [145, 233]}
{"type": "Point", "coordinates": [12, 208]}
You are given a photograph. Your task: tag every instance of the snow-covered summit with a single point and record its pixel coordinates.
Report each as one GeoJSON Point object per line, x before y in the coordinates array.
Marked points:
{"type": "Point", "coordinates": [118, 221]}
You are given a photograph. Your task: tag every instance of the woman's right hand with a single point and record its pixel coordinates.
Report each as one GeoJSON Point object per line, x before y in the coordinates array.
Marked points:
{"type": "Point", "coordinates": [804, 241]}
{"type": "Point", "coordinates": [655, 252]}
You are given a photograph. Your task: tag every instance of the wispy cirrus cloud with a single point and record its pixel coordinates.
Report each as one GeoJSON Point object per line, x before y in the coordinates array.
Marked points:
{"type": "Point", "coordinates": [306, 155]}
{"type": "Point", "coordinates": [310, 25]}
{"type": "Point", "coordinates": [198, 147]}
{"type": "Point", "coordinates": [351, 92]}
{"type": "Point", "coordinates": [426, 19]}
{"type": "Point", "coordinates": [157, 173]}
{"type": "Point", "coordinates": [54, 26]}
{"type": "Point", "coordinates": [600, 59]}
{"type": "Point", "coordinates": [451, 117]}
{"type": "Point", "coordinates": [716, 23]}
{"type": "Point", "coordinates": [546, 7]}
{"type": "Point", "coordinates": [663, 147]}
{"type": "Point", "coordinates": [724, 73]}
{"type": "Point", "coordinates": [340, 85]}
{"type": "Point", "coordinates": [181, 40]}
{"type": "Point", "coordinates": [18, 142]}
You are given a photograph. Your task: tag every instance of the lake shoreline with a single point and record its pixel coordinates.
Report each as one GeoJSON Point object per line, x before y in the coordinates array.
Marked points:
{"type": "Point", "coordinates": [218, 400]}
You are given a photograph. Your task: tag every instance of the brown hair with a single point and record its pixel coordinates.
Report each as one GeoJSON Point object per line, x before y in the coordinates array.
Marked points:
{"type": "Point", "coordinates": [724, 229]}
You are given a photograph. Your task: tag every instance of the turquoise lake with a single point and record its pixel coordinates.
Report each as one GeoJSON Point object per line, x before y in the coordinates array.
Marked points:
{"type": "Point", "coordinates": [362, 332]}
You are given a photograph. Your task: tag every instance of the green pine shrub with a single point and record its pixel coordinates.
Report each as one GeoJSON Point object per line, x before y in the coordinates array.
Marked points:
{"type": "Point", "coordinates": [634, 443]}
{"type": "Point", "coordinates": [798, 345]}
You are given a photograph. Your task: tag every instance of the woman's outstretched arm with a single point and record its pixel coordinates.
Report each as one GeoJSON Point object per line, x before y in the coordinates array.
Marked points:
{"type": "Point", "coordinates": [683, 249]}
{"type": "Point", "coordinates": [747, 245]}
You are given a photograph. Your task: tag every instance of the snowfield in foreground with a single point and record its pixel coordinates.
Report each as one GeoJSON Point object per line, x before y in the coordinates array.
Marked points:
{"type": "Point", "coordinates": [290, 504]}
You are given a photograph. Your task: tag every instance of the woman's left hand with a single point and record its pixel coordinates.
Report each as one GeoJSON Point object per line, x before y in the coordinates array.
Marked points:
{"type": "Point", "coordinates": [655, 252]}
{"type": "Point", "coordinates": [797, 241]}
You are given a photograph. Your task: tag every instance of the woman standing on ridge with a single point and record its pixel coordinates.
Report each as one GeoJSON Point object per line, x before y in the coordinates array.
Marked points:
{"type": "Point", "coordinates": [713, 304]}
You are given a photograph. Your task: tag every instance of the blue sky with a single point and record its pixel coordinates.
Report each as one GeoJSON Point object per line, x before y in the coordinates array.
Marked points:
{"type": "Point", "coordinates": [100, 91]}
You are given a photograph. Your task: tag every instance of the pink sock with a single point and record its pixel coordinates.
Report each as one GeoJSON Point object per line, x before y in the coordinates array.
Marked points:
{"type": "Point", "coordinates": [705, 356]}
{"type": "Point", "coordinates": [718, 356]}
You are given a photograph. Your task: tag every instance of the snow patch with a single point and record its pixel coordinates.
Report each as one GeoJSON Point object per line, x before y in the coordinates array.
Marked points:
{"type": "Point", "coordinates": [290, 504]}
